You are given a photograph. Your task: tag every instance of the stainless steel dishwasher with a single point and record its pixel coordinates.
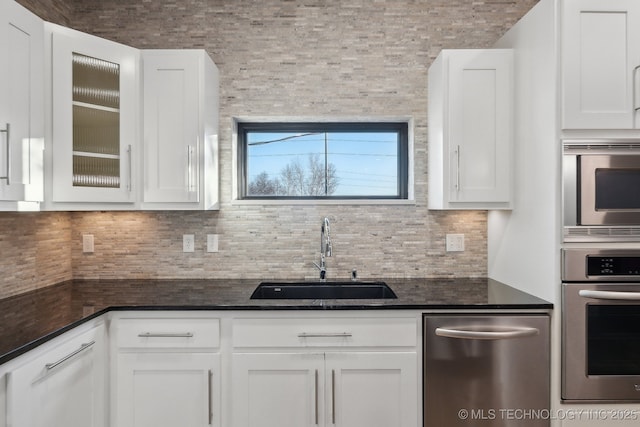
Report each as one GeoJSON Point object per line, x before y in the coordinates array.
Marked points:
{"type": "Point", "coordinates": [488, 370]}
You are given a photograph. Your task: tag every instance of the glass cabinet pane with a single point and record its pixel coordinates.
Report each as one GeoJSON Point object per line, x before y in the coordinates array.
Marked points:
{"type": "Point", "coordinates": [96, 122]}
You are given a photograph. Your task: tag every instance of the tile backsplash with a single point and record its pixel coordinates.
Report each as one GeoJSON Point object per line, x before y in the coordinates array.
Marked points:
{"type": "Point", "coordinates": [314, 59]}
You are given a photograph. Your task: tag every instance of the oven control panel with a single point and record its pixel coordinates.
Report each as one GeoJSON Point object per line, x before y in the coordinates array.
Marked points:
{"type": "Point", "coordinates": [613, 265]}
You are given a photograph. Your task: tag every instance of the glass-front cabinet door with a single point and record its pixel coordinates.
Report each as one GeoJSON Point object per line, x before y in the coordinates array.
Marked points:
{"type": "Point", "coordinates": [95, 111]}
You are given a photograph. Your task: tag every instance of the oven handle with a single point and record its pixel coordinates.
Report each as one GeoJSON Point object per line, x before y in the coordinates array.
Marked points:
{"type": "Point", "coordinates": [611, 295]}
{"type": "Point", "coordinates": [508, 333]}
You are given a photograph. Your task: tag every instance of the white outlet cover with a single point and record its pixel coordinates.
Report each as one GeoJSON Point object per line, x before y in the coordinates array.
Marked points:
{"type": "Point", "coordinates": [188, 243]}
{"type": "Point", "coordinates": [87, 243]}
{"type": "Point", "coordinates": [455, 242]}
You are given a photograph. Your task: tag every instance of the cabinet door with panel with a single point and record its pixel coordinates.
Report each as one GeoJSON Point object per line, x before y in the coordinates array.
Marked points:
{"type": "Point", "coordinates": [65, 386]}
{"type": "Point", "coordinates": [471, 129]}
{"type": "Point", "coordinates": [277, 389]}
{"type": "Point", "coordinates": [371, 389]}
{"type": "Point", "coordinates": [168, 390]}
{"type": "Point", "coordinates": [95, 103]}
{"type": "Point", "coordinates": [600, 60]}
{"type": "Point", "coordinates": [180, 130]}
{"type": "Point", "coordinates": [21, 107]}
{"type": "Point", "coordinates": [167, 372]}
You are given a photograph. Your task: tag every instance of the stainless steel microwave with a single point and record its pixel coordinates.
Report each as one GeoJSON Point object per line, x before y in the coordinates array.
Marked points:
{"type": "Point", "coordinates": [601, 190]}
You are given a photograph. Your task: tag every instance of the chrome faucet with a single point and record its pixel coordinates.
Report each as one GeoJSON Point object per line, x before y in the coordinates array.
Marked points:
{"type": "Point", "coordinates": [325, 248]}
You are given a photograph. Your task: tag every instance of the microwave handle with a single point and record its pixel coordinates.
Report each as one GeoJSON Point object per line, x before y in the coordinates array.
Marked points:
{"type": "Point", "coordinates": [610, 295]}
{"type": "Point", "coordinates": [486, 335]}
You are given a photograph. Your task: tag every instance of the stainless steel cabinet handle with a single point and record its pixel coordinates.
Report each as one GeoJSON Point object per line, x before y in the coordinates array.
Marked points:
{"type": "Point", "coordinates": [610, 295]}
{"type": "Point", "coordinates": [189, 168]}
{"type": "Point", "coordinates": [165, 335]}
{"type": "Point", "coordinates": [8, 153]}
{"type": "Point", "coordinates": [210, 397]}
{"type": "Point", "coordinates": [325, 335]}
{"type": "Point", "coordinates": [83, 347]}
{"type": "Point", "coordinates": [457, 168]}
{"type": "Point", "coordinates": [490, 334]}
{"type": "Point", "coordinates": [333, 396]}
{"type": "Point", "coordinates": [636, 87]}
{"type": "Point", "coordinates": [129, 185]}
{"type": "Point", "coordinates": [316, 400]}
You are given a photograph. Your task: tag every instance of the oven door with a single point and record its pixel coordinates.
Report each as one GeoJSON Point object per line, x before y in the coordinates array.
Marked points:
{"type": "Point", "coordinates": [601, 342]}
{"type": "Point", "coordinates": [608, 189]}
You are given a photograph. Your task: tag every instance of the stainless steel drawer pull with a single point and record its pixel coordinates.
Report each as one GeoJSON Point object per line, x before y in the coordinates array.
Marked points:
{"type": "Point", "coordinates": [83, 347]}
{"type": "Point", "coordinates": [165, 335]}
{"type": "Point", "coordinates": [210, 397]}
{"type": "Point", "coordinates": [492, 333]}
{"type": "Point", "coordinates": [610, 295]}
{"type": "Point", "coordinates": [325, 335]}
{"type": "Point", "coordinates": [8, 153]}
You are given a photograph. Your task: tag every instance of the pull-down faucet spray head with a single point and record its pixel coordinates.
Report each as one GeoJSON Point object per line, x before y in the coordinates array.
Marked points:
{"type": "Point", "coordinates": [325, 238]}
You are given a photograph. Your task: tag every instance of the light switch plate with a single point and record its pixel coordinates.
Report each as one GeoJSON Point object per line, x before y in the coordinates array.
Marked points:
{"type": "Point", "coordinates": [455, 242]}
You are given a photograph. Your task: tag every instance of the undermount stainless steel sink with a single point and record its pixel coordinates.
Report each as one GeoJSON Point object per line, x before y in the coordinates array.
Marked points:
{"type": "Point", "coordinates": [323, 290]}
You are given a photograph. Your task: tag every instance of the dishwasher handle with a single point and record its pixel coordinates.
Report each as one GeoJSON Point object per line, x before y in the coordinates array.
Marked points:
{"type": "Point", "coordinates": [490, 334]}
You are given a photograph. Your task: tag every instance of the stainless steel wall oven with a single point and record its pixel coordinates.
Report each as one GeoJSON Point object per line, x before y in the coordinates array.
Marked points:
{"type": "Point", "coordinates": [601, 325]}
{"type": "Point", "coordinates": [601, 190]}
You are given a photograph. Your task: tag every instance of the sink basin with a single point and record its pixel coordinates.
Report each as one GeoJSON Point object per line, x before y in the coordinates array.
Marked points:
{"type": "Point", "coordinates": [323, 290]}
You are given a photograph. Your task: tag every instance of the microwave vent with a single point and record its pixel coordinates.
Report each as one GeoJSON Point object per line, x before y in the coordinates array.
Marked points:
{"type": "Point", "coordinates": [601, 146]}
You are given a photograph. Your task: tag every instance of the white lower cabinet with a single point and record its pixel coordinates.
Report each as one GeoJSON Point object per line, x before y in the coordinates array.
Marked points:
{"type": "Point", "coordinates": [167, 371]}
{"type": "Point", "coordinates": [168, 389]}
{"type": "Point", "coordinates": [355, 389]}
{"type": "Point", "coordinates": [63, 385]}
{"type": "Point", "coordinates": [334, 371]}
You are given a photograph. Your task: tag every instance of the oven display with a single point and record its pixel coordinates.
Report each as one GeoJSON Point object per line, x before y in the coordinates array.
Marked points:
{"type": "Point", "coordinates": [613, 266]}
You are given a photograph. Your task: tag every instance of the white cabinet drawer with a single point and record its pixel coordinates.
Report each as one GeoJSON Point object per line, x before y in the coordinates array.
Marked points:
{"type": "Point", "coordinates": [168, 333]}
{"type": "Point", "coordinates": [325, 332]}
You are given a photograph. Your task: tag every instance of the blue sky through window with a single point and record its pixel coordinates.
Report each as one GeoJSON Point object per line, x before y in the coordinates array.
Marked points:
{"type": "Point", "coordinates": [366, 163]}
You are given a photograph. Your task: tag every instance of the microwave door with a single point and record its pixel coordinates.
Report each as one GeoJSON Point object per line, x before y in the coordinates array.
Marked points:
{"type": "Point", "coordinates": [609, 190]}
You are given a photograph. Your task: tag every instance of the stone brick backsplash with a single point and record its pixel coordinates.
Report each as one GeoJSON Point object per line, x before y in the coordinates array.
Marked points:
{"type": "Point", "coordinates": [282, 59]}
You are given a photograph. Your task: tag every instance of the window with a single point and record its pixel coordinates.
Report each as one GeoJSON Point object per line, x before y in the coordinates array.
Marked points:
{"type": "Point", "coordinates": [323, 160]}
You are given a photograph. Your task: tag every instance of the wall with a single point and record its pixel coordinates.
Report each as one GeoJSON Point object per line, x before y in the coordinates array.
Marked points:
{"type": "Point", "coordinates": [311, 58]}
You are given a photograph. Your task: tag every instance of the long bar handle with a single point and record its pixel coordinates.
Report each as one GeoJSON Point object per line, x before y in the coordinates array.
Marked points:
{"type": "Point", "coordinates": [610, 295]}
{"type": "Point", "coordinates": [325, 335]}
{"type": "Point", "coordinates": [8, 132]}
{"type": "Point", "coordinates": [333, 396]}
{"type": "Point", "coordinates": [83, 347]}
{"type": "Point", "coordinates": [189, 168]}
{"type": "Point", "coordinates": [165, 335]}
{"type": "Point", "coordinates": [514, 332]}
{"type": "Point", "coordinates": [210, 397]}
{"type": "Point", "coordinates": [130, 156]}
{"type": "Point", "coordinates": [316, 399]}
{"type": "Point", "coordinates": [636, 87]}
{"type": "Point", "coordinates": [457, 168]}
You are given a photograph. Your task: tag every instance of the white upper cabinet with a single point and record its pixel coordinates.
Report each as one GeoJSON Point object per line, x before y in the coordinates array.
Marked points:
{"type": "Point", "coordinates": [21, 107]}
{"type": "Point", "coordinates": [180, 130]}
{"type": "Point", "coordinates": [600, 60]}
{"type": "Point", "coordinates": [471, 129]}
{"type": "Point", "coordinates": [95, 115]}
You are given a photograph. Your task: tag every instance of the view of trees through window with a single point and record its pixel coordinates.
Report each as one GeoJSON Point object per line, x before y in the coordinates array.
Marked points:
{"type": "Point", "coordinates": [339, 163]}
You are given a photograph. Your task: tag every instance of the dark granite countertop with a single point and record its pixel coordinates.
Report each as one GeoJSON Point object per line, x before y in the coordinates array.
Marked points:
{"type": "Point", "coordinates": [29, 319]}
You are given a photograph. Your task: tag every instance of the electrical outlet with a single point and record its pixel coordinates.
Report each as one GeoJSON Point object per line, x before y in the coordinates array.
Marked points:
{"type": "Point", "coordinates": [87, 243]}
{"type": "Point", "coordinates": [212, 243]}
{"type": "Point", "coordinates": [188, 243]}
{"type": "Point", "coordinates": [455, 242]}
